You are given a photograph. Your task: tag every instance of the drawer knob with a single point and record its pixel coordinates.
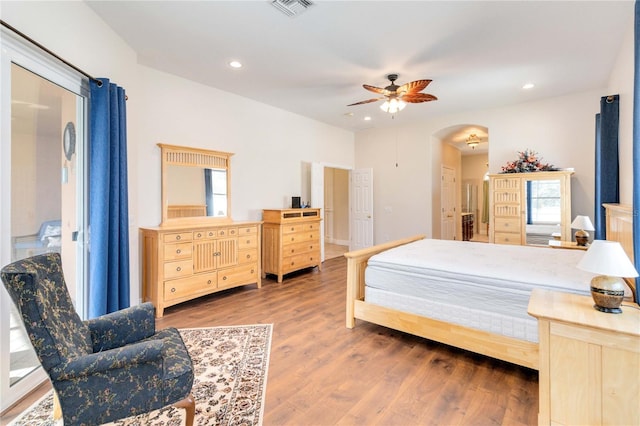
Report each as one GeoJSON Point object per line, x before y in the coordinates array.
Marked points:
{"type": "Point", "coordinates": [211, 234]}
{"type": "Point", "coordinates": [224, 278]}
{"type": "Point", "coordinates": [292, 228]}
{"type": "Point", "coordinates": [178, 237]}
{"type": "Point", "coordinates": [178, 251]}
{"type": "Point", "coordinates": [232, 232]}
{"type": "Point", "coordinates": [199, 234]}
{"type": "Point", "coordinates": [173, 289]}
{"type": "Point", "coordinates": [252, 271]}
{"type": "Point", "coordinates": [209, 282]}
{"type": "Point", "coordinates": [248, 241]}
{"type": "Point", "coordinates": [179, 268]}
{"type": "Point", "coordinates": [248, 256]}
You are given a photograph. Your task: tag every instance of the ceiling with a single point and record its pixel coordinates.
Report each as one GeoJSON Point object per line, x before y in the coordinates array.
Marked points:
{"type": "Point", "coordinates": [478, 53]}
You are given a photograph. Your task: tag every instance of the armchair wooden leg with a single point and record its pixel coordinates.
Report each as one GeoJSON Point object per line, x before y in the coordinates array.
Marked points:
{"type": "Point", "coordinates": [57, 410]}
{"type": "Point", "coordinates": [189, 406]}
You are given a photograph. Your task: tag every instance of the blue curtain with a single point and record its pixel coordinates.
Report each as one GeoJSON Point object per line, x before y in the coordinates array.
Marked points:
{"type": "Point", "coordinates": [607, 184]}
{"type": "Point", "coordinates": [108, 200]}
{"type": "Point", "coordinates": [636, 149]}
{"type": "Point", "coordinates": [529, 216]}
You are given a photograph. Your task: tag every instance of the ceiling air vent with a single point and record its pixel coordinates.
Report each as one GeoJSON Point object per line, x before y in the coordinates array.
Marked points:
{"type": "Point", "coordinates": [292, 7]}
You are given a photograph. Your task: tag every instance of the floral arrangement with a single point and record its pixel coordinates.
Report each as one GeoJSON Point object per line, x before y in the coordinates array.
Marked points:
{"type": "Point", "coordinates": [528, 161]}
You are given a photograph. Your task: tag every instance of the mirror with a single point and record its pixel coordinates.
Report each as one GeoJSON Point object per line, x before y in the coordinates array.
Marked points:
{"type": "Point", "coordinates": [195, 185]}
{"type": "Point", "coordinates": [543, 210]}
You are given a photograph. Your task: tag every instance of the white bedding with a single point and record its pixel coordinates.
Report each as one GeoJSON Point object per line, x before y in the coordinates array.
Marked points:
{"type": "Point", "coordinates": [483, 286]}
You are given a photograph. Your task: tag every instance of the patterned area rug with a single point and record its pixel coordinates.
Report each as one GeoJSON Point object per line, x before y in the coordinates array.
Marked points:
{"type": "Point", "coordinates": [230, 366]}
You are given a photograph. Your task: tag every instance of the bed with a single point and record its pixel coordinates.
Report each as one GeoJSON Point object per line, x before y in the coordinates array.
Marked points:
{"type": "Point", "coordinates": [475, 296]}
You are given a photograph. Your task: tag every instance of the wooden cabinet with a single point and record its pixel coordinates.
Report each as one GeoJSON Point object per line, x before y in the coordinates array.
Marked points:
{"type": "Point", "coordinates": [589, 361]}
{"type": "Point", "coordinates": [290, 241]}
{"type": "Point", "coordinates": [182, 263]}
{"type": "Point", "coordinates": [526, 208]}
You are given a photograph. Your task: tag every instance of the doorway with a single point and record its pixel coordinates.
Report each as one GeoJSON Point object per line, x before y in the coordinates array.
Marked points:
{"type": "Point", "coordinates": [42, 160]}
{"type": "Point", "coordinates": [336, 212]}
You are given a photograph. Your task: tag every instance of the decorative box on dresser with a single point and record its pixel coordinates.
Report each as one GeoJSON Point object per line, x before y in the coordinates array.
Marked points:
{"type": "Point", "coordinates": [290, 240]}
{"type": "Point", "coordinates": [589, 361]}
{"type": "Point", "coordinates": [508, 205]}
{"type": "Point", "coordinates": [182, 263]}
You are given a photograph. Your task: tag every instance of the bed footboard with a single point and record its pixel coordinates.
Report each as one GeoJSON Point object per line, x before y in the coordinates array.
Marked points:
{"type": "Point", "coordinates": [356, 263]}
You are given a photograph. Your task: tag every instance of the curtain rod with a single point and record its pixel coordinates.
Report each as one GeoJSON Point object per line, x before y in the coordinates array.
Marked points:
{"type": "Point", "coordinates": [29, 39]}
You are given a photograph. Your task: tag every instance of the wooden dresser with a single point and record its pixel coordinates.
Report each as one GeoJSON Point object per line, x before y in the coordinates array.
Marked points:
{"type": "Point", "coordinates": [589, 361]}
{"type": "Point", "coordinates": [508, 205]}
{"type": "Point", "coordinates": [290, 240]}
{"type": "Point", "coordinates": [180, 263]}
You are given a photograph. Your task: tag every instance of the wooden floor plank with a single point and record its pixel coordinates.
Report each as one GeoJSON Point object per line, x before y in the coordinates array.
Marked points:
{"type": "Point", "coordinates": [322, 373]}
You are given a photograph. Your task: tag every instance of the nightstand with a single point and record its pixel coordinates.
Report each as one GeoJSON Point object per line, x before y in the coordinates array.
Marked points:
{"type": "Point", "coordinates": [589, 361]}
{"type": "Point", "coordinates": [566, 245]}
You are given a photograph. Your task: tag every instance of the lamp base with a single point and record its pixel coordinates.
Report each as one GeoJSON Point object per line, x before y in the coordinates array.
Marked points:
{"type": "Point", "coordinates": [582, 238]}
{"type": "Point", "coordinates": [608, 293]}
{"type": "Point", "coordinates": [607, 310]}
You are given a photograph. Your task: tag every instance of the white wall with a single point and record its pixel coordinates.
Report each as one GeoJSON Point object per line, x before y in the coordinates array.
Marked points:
{"type": "Point", "coordinates": [269, 144]}
{"type": "Point", "coordinates": [561, 129]}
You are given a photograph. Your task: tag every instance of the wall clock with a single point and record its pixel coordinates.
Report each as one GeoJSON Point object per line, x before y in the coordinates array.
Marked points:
{"type": "Point", "coordinates": [69, 140]}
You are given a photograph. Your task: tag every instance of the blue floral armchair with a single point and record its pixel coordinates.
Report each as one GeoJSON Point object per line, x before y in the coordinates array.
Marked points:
{"type": "Point", "coordinates": [106, 368]}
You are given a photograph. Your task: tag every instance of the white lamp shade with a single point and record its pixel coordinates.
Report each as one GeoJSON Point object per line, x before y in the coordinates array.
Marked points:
{"type": "Point", "coordinates": [582, 222]}
{"type": "Point", "coordinates": [607, 258]}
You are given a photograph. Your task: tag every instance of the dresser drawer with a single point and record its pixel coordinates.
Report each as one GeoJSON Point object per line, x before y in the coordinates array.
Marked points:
{"type": "Point", "coordinates": [247, 230]}
{"type": "Point", "coordinates": [300, 227]}
{"type": "Point", "coordinates": [293, 263]}
{"type": "Point", "coordinates": [187, 287]}
{"type": "Point", "coordinates": [202, 234]}
{"type": "Point", "coordinates": [299, 248]}
{"type": "Point", "coordinates": [507, 225]}
{"type": "Point", "coordinates": [248, 256]}
{"type": "Point", "coordinates": [247, 241]}
{"type": "Point", "coordinates": [300, 237]}
{"type": "Point", "coordinates": [506, 197]}
{"type": "Point", "coordinates": [228, 232]}
{"type": "Point", "coordinates": [244, 274]}
{"type": "Point", "coordinates": [507, 238]}
{"type": "Point", "coordinates": [177, 237]}
{"type": "Point", "coordinates": [178, 269]}
{"type": "Point", "coordinates": [178, 251]}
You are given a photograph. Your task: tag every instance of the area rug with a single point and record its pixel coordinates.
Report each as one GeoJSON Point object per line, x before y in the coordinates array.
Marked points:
{"type": "Point", "coordinates": [230, 366]}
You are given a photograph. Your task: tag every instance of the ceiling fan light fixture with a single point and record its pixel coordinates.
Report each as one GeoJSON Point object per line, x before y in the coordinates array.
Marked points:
{"type": "Point", "coordinates": [393, 105]}
{"type": "Point", "coordinates": [473, 141]}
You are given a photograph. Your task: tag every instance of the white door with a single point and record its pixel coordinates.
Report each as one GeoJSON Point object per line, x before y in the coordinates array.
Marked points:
{"type": "Point", "coordinates": [361, 209]}
{"type": "Point", "coordinates": [448, 204]}
{"type": "Point", "coordinates": [317, 198]}
{"type": "Point", "coordinates": [42, 183]}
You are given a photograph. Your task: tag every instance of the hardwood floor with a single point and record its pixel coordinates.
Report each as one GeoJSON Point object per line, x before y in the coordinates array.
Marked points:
{"type": "Point", "coordinates": [322, 373]}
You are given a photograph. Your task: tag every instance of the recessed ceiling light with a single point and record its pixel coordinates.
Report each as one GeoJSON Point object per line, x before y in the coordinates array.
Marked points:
{"type": "Point", "coordinates": [235, 64]}
{"type": "Point", "coordinates": [367, 118]}
{"type": "Point", "coordinates": [528, 86]}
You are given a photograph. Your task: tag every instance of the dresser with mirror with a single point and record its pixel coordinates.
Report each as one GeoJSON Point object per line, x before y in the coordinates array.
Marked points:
{"type": "Point", "coordinates": [197, 249]}
{"type": "Point", "coordinates": [530, 208]}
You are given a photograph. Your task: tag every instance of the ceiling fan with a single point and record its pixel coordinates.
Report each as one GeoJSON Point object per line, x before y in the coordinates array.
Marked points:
{"type": "Point", "coordinates": [395, 97]}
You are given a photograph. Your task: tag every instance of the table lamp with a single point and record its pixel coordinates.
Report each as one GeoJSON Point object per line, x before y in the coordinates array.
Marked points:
{"type": "Point", "coordinates": [608, 259]}
{"type": "Point", "coordinates": [582, 224]}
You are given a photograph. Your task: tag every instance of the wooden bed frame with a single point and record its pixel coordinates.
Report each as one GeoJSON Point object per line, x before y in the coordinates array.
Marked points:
{"type": "Point", "coordinates": [509, 349]}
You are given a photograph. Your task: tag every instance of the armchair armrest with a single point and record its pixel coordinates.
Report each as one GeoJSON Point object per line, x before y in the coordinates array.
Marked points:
{"type": "Point", "coordinates": [101, 362]}
{"type": "Point", "coordinates": [123, 327]}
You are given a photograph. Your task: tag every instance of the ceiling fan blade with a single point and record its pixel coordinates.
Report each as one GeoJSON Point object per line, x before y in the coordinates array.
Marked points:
{"type": "Point", "coordinates": [366, 102]}
{"type": "Point", "coordinates": [375, 89]}
{"type": "Point", "coordinates": [414, 86]}
{"type": "Point", "coordinates": [415, 98]}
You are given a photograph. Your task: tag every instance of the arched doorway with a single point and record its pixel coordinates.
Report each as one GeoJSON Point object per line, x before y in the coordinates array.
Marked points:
{"type": "Point", "coordinates": [463, 148]}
